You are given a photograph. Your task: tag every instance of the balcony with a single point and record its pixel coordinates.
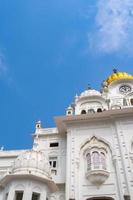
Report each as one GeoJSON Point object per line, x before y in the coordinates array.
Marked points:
{"type": "Point", "coordinates": [97, 176]}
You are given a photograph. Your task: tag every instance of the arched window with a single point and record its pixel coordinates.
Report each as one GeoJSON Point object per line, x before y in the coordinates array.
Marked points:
{"type": "Point", "coordinates": [88, 156]}
{"type": "Point", "coordinates": [126, 197]}
{"type": "Point", "coordinates": [83, 112]}
{"type": "Point", "coordinates": [19, 195]}
{"type": "Point", "coordinates": [95, 159]}
{"type": "Point", "coordinates": [99, 110]}
{"type": "Point", "coordinates": [91, 111]}
{"type": "Point", "coordinates": [103, 160]}
{"type": "Point", "coordinates": [35, 196]}
{"type": "Point", "coordinates": [131, 100]}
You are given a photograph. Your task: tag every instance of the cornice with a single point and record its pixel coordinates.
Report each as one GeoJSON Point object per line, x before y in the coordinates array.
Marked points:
{"type": "Point", "coordinates": [63, 122]}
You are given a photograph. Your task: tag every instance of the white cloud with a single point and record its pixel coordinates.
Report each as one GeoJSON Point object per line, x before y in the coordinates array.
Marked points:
{"type": "Point", "coordinates": [114, 26]}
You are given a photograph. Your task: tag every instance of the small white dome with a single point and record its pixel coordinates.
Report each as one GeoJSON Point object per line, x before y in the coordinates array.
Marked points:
{"type": "Point", "coordinates": [70, 107]}
{"type": "Point", "coordinates": [32, 162]}
{"type": "Point", "coordinates": [90, 92]}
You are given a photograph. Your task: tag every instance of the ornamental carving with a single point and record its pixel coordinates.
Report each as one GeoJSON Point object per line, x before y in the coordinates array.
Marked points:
{"type": "Point", "coordinates": [96, 153]}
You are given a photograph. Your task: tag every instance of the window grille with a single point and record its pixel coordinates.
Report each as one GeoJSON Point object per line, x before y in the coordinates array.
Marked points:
{"type": "Point", "coordinates": [96, 160]}
{"type": "Point", "coordinates": [18, 195]}
{"type": "Point", "coordinates": [35, 196]}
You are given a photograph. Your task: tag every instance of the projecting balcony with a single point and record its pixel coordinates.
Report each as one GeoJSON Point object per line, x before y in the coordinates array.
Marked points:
{"type": "Point", "coordinates": [97, 176]}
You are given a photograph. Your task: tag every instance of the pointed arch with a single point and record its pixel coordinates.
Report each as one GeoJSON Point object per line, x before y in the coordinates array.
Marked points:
{"type": "Point", "coordinates": [87, 141]}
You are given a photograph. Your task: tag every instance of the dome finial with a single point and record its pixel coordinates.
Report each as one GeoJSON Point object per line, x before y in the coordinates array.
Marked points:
{"type": "Point", "coordinates": [89, 87]}
{"type": "Point", "coordinates": [115, 70]}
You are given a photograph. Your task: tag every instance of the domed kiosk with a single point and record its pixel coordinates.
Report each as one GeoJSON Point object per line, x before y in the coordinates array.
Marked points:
{"type": "Point", "coordinates": [32, 162]}
{"type": "Point", "coordinates": [89, 101]}
{"type": "Point", "coordinates": [117, 89]}
{"type": "Point", "coordinates": [116, 76]}
{"type": "Point", "coordinates": [30, 178]}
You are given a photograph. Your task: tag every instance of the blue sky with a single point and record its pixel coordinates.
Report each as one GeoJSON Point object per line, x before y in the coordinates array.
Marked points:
{"type": "Point", "coordinates": [51, 50]}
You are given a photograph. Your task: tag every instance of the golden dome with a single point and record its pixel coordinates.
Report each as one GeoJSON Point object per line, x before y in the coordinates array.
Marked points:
{"type": "Point", "coordinates": [118, 76]}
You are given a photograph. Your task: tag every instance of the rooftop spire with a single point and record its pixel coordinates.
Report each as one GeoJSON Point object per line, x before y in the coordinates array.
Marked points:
{"type": "Point", "coordinates": [89, 87]}
{"type": "Point", "coordinates": [115, 70]}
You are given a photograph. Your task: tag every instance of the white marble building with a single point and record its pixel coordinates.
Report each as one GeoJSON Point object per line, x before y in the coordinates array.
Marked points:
{"type": "Point", "coordinates": [88, 156]}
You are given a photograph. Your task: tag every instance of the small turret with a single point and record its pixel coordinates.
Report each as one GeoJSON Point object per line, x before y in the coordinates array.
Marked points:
{"type": "Point", "coordinates": [70, 110]}
{"type": "Point", "coordinates": [38, 124]}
